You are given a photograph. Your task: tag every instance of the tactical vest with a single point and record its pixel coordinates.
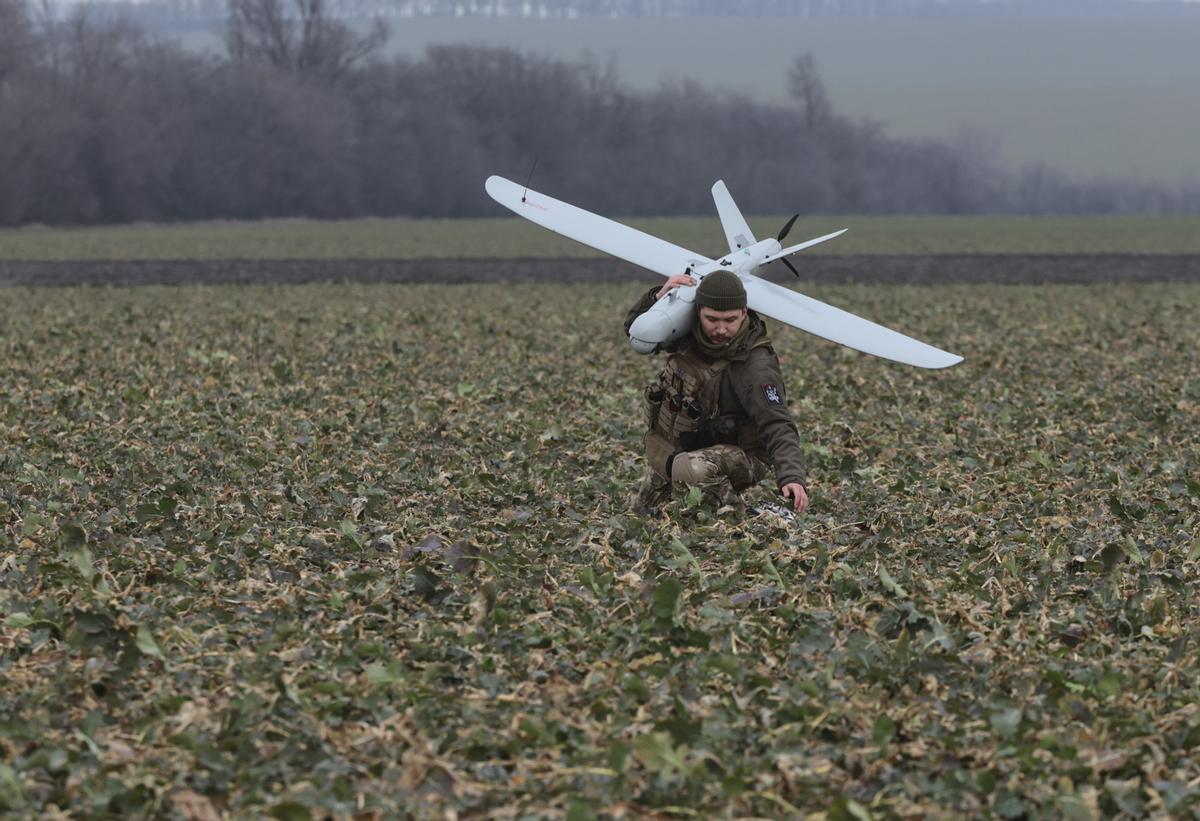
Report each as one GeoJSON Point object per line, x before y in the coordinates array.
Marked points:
{"type": "Point", "coordinates": [684, 405]}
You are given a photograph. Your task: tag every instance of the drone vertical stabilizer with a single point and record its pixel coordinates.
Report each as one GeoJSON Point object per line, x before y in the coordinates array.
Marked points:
{"type": "Point", "coordinates": [736, 230]}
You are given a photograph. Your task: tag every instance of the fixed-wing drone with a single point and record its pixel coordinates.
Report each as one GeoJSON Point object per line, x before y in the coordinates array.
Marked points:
{"type": "Point", "coordinates": [672, 316]}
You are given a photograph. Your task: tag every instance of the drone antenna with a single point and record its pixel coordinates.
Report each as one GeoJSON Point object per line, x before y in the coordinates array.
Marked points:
{"type": "Point", "coordinates": [529, 178]}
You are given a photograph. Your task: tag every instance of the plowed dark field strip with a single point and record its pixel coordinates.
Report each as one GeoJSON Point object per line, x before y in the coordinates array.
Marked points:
{"type": "Point", "coordinates": [894, 269]}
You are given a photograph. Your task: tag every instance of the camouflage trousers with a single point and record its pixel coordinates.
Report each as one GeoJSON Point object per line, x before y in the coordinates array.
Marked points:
{"type": "Point", "coordinates": [721, 472]}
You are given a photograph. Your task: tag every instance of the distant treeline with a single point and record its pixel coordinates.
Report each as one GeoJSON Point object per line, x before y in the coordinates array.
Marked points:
{"type": "Point", "coordinates": [175, 15]}
{"type": "Point", "coordinates": [101, 123]}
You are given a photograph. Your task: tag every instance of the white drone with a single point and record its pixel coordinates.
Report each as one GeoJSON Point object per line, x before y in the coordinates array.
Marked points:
{"type": "Point", "coordinates": [672, 316]}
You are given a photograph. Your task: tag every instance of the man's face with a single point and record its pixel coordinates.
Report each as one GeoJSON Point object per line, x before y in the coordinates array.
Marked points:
{"type": "Point", "coordinates": [721, 326]}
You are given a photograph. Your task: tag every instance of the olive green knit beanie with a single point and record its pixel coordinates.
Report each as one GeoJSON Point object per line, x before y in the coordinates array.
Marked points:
{"type": "Point", "coordinates": [721, 291]}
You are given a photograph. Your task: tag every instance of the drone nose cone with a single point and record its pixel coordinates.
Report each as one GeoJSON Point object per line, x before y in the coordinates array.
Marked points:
{"type": "Point", "coordinates": [652, 327]}
{"type": "Point", "coordinates": [665, 321]}
{"type": "Point", "coordinates": [642, 346]}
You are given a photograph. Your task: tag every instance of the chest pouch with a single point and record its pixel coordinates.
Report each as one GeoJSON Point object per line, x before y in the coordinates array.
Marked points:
{"type": "Point", "coordinates": [659, 454]}
{"type": "Point", "coordinates": [689, 389]}
{"type": "Point", "coordinates": [652, 402]}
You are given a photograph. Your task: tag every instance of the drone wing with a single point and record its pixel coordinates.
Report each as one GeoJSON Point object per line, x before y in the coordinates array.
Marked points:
{"type": "Point", "coordinates": [598, 232]}
{"type": "Point", "coordinates": [841, 327]}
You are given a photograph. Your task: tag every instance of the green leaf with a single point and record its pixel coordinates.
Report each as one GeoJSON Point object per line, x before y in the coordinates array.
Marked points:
{"type": "Point", "coordinates": [883, 731]}
{"type": "Point", "coordinates": [1127, 795]}
{"type": "Point", "coordinates": [847, 809]}
{"type": "Point", "coordinates": [12, 793]}
{"type": "Point", "coordinates": [350, 536]}
{"type": "Point", "coordinates": [1006, 721]}
{"type": "Point", "coordinates": [618, 755]}
{"type": "Point", "coordinates": [19, 620]}
{"type": "Point", "coordinates": [890, 585]}
{"type": "Point", "coordinates": [89, 742]}
{"type": "Point", "coordinates": [580, 810]}
{"type": "Point", "coordinates": [657, 752]}
{"type": "Point", "coordinates": [1176, 794]}
{"type": "Point", "coordinates": [1071, 808]}
{"type": "Point", "coordinates": [425, 582]}
{"type": "Point", "coordinates": [725, 663]}
{"type": "Point", "coordinates": [1133, 551]}
{"type": "Point", "coordinates": [290, 811]}
{"type": "Point", "coordinates": [1125, 512]}
{"type": "Point", "coordinates": [1008, 804]}
{"type": "Point", "coordinates": [771, 572]}
{"type": "Point", "coordinates": [633, 684]}
{"type": "Point", "coordinates": [146, 512]}
{"type": "Point", "coordinates": [682, 727]}
{"type": "Point", "coordinates": [1109, 683]}
{"type": "Point", "coordinates": [667, 598]}
{"type": "Point", "coordinates": [681, 550]}
{"type": "Point", "coordinates": [587, 578]}
{"type": "Point", "coordinates": [146, 644]}
{"type": "Point", "coordinates": [73, 537]}
{"type": "Point", "coordinates": [986, 781]}
{"type": "Point", "coordinates": [82, 559]}
{"type": "Point", "coordinates": [392, 673]}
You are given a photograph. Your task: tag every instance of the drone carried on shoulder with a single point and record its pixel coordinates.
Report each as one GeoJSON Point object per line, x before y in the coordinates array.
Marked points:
{"type": "Point", "coordinates": [673, 315]}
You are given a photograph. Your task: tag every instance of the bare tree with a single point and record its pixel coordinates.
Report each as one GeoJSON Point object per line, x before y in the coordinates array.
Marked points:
{"type": "Point", "coordinates": [298, 36]}
{"type": "Point", "coordinates": [15, 38]}
{"type": "Point", "coordinates": [806, 88]}
{"type": "Point", "coordinates": [101, 122]}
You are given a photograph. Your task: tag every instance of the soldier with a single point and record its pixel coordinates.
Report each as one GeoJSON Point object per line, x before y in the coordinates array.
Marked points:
{"type": "Point", "coordinates": [717, 415]}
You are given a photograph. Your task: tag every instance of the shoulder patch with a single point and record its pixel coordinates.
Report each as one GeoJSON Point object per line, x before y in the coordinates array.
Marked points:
{"type": "Point", "coordinates": [771, 392]}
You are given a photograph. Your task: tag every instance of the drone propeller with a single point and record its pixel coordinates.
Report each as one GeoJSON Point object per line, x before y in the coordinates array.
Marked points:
{"type": "Point", "coordinates": [783, 233]}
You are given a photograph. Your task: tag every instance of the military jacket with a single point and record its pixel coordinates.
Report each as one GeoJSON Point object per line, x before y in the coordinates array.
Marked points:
{"type": "Point", "coordinates": [752, 399]}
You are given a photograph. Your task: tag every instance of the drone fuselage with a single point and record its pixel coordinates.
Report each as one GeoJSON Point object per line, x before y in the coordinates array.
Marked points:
{"type": "Point", "coordinates": [673, 316]}
{"type": "Point", "coordinates": [746, 261]}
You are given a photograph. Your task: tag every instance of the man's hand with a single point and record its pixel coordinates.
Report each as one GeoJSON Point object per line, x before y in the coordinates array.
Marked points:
{"type": "Point", "coordinates": [675, 282]}
{"type": "Point", "coordinates": [795, 491]}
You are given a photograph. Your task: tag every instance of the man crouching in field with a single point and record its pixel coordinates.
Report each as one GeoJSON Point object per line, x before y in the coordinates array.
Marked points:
{"type": "Point", "coordinates": [717, 414]}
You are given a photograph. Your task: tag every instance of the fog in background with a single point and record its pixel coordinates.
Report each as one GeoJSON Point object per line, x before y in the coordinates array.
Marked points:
{"type": "Point", "coordinates": [306, 108]}
{"type": "Point", "coordinates": [1093, 98]}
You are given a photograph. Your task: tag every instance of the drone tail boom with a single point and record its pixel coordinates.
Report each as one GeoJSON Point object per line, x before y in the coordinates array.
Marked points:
{"type": "Point", "coordinates": [786, 252]}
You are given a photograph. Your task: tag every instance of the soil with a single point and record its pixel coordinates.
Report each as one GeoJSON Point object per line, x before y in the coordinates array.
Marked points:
{"type": "Point", "coordinates": [909, 270]}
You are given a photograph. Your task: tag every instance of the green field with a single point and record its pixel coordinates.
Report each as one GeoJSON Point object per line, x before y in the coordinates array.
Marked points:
{"type": "Point", "coordinates": [504, 237]}
{"type": "Point", "coordinates": [364, 551]}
